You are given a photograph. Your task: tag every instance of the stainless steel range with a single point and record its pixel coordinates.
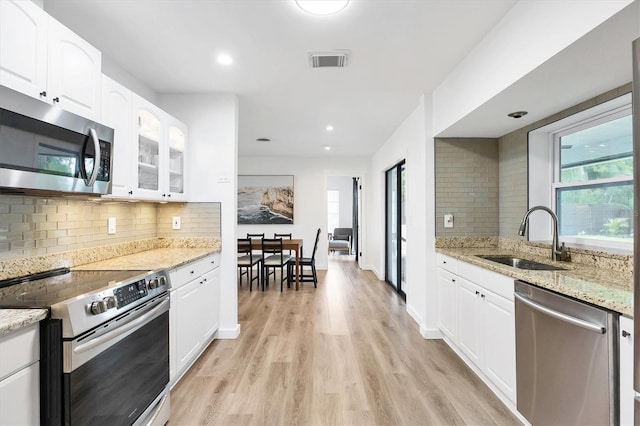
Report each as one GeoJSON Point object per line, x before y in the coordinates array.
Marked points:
{"type": "Point", "coordinates": [104, 349]}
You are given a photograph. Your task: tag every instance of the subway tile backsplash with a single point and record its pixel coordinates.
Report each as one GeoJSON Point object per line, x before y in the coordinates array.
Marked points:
{"type": "Point", "coordinates": [31, 226]}
{"type": "Point", "coordinates": [467, 186]}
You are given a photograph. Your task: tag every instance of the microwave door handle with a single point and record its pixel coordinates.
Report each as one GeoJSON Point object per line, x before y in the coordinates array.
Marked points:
{"type": "Point", "coordinates": [96, 161]}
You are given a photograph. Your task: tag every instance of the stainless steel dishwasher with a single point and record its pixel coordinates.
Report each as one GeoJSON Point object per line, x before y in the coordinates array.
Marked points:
{"type": "Point", "coordinates": [566, 359]}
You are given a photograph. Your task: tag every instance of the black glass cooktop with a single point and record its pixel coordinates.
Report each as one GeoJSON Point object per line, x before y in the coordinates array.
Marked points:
{"type": "Point", "coordinates": [43, 292]}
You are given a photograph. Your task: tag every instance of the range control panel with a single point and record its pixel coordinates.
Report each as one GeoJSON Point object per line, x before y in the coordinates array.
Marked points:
{"type": "Point", "coordinates": [130, 293]}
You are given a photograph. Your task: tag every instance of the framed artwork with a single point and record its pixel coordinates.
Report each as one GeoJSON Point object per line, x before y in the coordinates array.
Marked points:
{"type": "Point", "coordinates": [265, 200]}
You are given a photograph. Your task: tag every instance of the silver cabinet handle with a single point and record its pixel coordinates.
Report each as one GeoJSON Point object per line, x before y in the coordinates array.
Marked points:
{"type": "Point", "coordinates": [562, 317]}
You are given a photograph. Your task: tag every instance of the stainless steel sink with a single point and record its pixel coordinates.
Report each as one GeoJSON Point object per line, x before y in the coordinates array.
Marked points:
{"type": "Point", "coordinates": [522, 263]}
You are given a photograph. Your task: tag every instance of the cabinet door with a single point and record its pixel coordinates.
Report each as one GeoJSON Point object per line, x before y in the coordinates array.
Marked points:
{"type": "Point", "coordinates": [20, 397]}
{"type": "Point", "coordinates": [627, 393]}
{"type": "Point", "coordinates": [176, 160]}
{"type": "Point", "coordinates": [469, 324]}
{"type": "Point", "coordinates": [447, 305]}
{"type": "Point", "coordinates": [149, 128]}
{"type": "Point", "coordinates": [210, 302]}
{"type": "Point", "coordinates": [188, 323]}
{"type": "Point", "coordinates": [498, 342]}
{"type": "Point", "coordinates": [73, 72]}
{"type": "Point", "coordinates": [116, 113]}
{"type": "Point", "coordinates": [23, 47]}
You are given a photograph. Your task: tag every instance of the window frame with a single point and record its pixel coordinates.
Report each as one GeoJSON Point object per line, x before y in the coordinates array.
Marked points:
{"type": "Point", "coordinates": [607, 111]}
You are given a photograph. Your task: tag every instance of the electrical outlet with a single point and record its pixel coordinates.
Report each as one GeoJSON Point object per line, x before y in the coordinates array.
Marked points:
{"type": "Point", "coordinates": [111, 225]}
{"type": "Point", "coordinates": [176, 223]}
{"type": "Point", "coordinates": [448, 221]}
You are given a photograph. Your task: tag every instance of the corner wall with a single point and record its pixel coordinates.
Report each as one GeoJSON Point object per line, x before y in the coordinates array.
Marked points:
{"type": "Point", "coordinates": [212, 120]}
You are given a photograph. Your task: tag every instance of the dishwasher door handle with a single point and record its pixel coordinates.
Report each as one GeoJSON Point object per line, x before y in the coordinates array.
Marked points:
{"type": "Point", "coordinates": [563, 317]}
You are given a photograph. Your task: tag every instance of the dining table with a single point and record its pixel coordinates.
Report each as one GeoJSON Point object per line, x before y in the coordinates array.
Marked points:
{"type": "Point", "coordinates": [293, 244]}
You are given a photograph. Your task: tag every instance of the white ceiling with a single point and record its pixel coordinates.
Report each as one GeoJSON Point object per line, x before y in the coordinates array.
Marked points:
{"type": "Point", "coordinates": [399, 49]}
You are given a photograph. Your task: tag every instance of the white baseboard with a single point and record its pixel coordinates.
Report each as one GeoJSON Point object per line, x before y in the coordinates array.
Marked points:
{"type": "Point", "coordinates": [414, 314]}
{"type": "Point", "coordinates": [430, 333]}
{"type": "Point", "coordinates": [228, 333]}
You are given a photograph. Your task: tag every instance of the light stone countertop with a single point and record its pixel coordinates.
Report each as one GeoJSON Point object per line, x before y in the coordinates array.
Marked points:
{"type": "Point", "coordinates": [14, 319]}
{"type": "Point", "coordinates": [159, 258]}
{"type": "Point", "coordinates": [605, 288]}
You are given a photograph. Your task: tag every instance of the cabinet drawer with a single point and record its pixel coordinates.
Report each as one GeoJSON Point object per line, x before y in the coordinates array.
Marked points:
{"type": "Point", "coordinates": [492, 281]}
{"type": "Point", "coordinates": [19, 349]}
{"type": "Point", "coordinates": [448, 263]}
{"type": "Point", "coordinates": [184, 274]}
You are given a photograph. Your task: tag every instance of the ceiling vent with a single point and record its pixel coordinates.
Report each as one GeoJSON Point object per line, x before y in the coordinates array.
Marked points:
{"type": "Point", "coordinates": [329, 58]}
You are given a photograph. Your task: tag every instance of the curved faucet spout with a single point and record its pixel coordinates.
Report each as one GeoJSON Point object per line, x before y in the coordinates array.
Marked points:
{"type": "Point", "coordinates": [558, 251]}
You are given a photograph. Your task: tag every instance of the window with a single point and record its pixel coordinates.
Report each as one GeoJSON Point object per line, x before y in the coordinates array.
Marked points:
{"type": "Point", "coordinates": [591, 179]}
{"type": "Point", "coordinates": [333, 210]}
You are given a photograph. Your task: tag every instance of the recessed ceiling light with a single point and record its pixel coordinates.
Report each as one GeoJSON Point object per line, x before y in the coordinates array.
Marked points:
{"type": "Point", "coordinates": [263, 140]}
{"type": "Point", "coordinates": [322, 7]}
{"type": "Point", "coordinates": [327, 148]}
{"type": "Point", "coordinates": [329, 128]}
{"type": "Point", "coordinates": [224, 59]}
{"type": "Point", "coordinates": [517, 114]}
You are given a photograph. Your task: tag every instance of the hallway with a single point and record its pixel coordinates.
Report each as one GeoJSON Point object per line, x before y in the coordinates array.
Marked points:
{"type": "Point", "coordinates": [344, 353]}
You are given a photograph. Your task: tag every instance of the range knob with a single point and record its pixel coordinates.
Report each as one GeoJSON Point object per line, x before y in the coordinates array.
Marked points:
{"type": "Point", "coordinates": [110, 301]}
{"type": "Point", "coordinates": [153, 283]}
{"type": "Point", "coordinates": [162, 281]}
{"type": "Point", "coordinates": [98, 307]}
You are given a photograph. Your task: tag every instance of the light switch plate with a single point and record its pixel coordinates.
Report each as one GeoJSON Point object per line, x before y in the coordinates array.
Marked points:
{"type": "Point", "coordinates": [111, 225]}
{"type": "Point", "coordinates": [448, 221]}
{"type": "Point", "coordinates": [176, 222]}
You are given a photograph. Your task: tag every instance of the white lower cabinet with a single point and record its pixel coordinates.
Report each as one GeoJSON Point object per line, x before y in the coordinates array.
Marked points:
{"type": "Point", "coordinates": [447, 304]}
{"type": "Point", "coordinates": [627, 393]}
{"type": "Point", "coordinates": [20, 377]}
{"type": "Point", "coordinates": [478, 320]}
{"type": "Point", "coordinates": [194, 316]}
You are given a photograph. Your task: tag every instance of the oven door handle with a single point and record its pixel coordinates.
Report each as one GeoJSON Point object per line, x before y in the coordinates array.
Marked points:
{"type": "Point", "coordinates": [132, 325]}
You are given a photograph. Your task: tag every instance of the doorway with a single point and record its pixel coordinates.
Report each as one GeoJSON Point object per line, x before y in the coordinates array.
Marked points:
{"type": "Point", "coordinates": [344, 197]}
{"type": "Point", "coordinates": [395, 228]}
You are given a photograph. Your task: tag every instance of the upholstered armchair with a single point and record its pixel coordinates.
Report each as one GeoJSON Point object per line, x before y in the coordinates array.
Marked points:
{"type": "Point", "coordinates": [340, 240]}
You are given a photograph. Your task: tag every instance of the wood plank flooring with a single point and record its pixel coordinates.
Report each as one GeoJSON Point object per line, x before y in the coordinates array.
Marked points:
{"type": "Point", "coordinates": [346, 353]}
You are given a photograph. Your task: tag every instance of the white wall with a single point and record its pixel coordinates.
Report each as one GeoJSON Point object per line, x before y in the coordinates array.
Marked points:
{"type": "Point", "coordinates": [310, 194]}
{"type": "Point", "coordinates": [212, 157]}
{"type": "Point", "coordinates": [408, 142]}
{"type": "Point", "coordinates": [529, 34]}
{"type": "Point", "coordinates": [344, 186]}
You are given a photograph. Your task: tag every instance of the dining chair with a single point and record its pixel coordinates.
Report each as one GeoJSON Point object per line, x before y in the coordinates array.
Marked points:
{"type": "Point", "coordinates": [306, 261]}
{"type": "Point", "coordinates": [283, 236]}
{"type": "Point", "coordinates": [274, 257]}
{"type": "Point", "coordinates": [247, 259]}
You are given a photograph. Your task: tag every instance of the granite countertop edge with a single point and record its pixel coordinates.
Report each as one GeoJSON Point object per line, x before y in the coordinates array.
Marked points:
{"type": "Point", "coordinates": [15, 319]}
{"type": "Point", "coordinates": [604, 288]}
{"type": "Point", "coordinates": [160, 258]}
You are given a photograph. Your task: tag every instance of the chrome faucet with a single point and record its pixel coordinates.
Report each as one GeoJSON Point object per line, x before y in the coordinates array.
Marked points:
{"type": "Point", "coordinates": [558, 251]}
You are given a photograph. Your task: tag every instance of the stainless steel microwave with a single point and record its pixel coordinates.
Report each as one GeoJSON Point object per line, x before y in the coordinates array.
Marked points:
{"type": "Point", "coordinates": [45, 148]}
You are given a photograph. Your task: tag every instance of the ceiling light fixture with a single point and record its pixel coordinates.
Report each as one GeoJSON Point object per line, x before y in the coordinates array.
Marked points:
{"type": "Point", "coordinates": [327, 148]}
{"type": "Point", "coordinates": [224, 59]}
{"type": "Point", "coordinates": [322, 7]}
{"type": "Point", "coordinates": [329, 128]}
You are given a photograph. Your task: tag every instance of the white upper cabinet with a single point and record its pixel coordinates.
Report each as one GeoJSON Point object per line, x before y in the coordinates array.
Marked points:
{"type": "Point", "coordinates": [176, 149]}
{"type": "Point", "coordinates": [23, 47]}
{"type": "Point", "coordinates": [117, 109]}
{"type": "Point", "coordinates": [42, 58]}
{"type": "Point", "coordinates": [150, 126]}
{"type": "Point", "coordinates": [74, 72]}
{"type": "Point", "coordinates": [160, 143]}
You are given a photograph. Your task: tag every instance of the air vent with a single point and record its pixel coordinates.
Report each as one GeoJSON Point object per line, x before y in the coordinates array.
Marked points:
{"type": "Point", "coordinates": [329, 58]}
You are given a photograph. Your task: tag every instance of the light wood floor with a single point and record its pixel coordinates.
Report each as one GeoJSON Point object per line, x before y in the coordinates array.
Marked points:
{"type": "Point", "coordinates": [344, 353]}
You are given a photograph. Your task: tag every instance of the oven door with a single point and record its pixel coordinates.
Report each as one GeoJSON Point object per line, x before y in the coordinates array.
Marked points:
{"type": "Point", "coordinates": [112, 377]}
